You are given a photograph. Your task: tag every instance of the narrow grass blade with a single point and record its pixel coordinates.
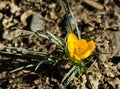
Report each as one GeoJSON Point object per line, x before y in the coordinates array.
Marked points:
{"type": "Point", "coordinates": [42, 35]}
{"type": "Point", "coordinates": [20, 68]}
{"type": "Point", "coordinates": [37, 53]}
{"type": "Point", "coordinates": [54, 41]}
{"type": "Point", "coordinates": [71, 77]}
{"type": "Point", "coordinates": [68, 74]}
{"type": "Point", "coordinates": [26, 33]}
{"type": "Point", "coordinates": [37, 33]}
{"type": "Point", "coordinates": [50, 60]}
{"type": "Point", "coordinates": [74, 20]}
{"type": "Point", "coordinates": [66, 10]}
{"type": "Point", "coordinates": [54, 37]}
{"type": "Point", "coordinates": [23, 50]}
{"type": "Point", "coordinates": [18, 54]}
{"type": "Point", "coordinates": [40, 63]}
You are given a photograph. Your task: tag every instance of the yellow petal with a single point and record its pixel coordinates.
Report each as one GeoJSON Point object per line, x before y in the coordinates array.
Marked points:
{"type": "Point", "coordinates": [79, 49]}
{"type": "Point", "coordinates": [72, 39]}
{"type": "Point", "coordinates": [86, 54]}
{"type": "Point", "coordinates": [76, 57]}
{"type": "Point", "coordinates": [91, 45]}
{"type": "Point", "coordinates": [81, 46]}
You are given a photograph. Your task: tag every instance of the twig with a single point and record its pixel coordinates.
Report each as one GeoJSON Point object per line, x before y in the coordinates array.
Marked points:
{"type": "Point", "coordinates": [94, 4]}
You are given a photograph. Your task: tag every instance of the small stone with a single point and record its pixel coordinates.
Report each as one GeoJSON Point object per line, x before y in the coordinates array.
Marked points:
{"type": "Point", "coordinates": [47, 80]}
{"type": "Point", "coordinates": [1, 16]}
{"type": "Point", "coordinates": [53, 6]}
{"type": "Point", "coordinates": [11, 81]}
{"type": "Point", "coordinates": [3, 4]}
{"type": "Point", "coordinates": [2, 46]}
{"type": "Point", "coordinates": [116, 43]}
{"type": "Point", "coordinates": [112, 75]}
{"type": "Point", "coordinates": [14, 8]}
{"type": "Point", "coordinates": [37, 22]}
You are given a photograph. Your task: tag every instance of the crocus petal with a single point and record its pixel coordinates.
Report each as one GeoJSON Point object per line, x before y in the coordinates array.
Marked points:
{"type": "Point", "coordinates": [91, 45]}
{"type": "Point", "coordinates": [76, 57]}
{"type": "Point", "coordinates": [72, 39]}
{"type": "Point", "coordinates": [81, 46]}
{"type": "Point", "coordinates": [79, 49]}
{"type": "Point", "coordinates": [86, 54]}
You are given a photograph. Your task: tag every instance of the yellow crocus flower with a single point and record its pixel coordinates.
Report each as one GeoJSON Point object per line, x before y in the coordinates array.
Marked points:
{"type": "Point", "coordinates": [79, 49]}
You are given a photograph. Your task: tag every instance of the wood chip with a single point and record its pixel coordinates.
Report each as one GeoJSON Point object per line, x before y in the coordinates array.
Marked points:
{"type": "Point", "coordinates": [94, 4]}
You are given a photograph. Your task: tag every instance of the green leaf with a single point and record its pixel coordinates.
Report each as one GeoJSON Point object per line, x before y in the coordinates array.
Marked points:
{"type": "Point", "coordinates": [38, 65]}
{"type": "Point", "coordinates": [54, 38]}
{"type": "Point", "coordinates": [70, 78]}
{"type": "Point", "coordinates": [69, 73]}
{"type": "Point", "coordinates": [67, 12]}
{"type": "Point", "coordinates": [20, 68]}
{"type": "Point", "coordinates": [75, 22]}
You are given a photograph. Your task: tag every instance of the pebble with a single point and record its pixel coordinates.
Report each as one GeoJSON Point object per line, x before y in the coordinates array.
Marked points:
{"type": "Point", "coordinates": [116, 43]}
{"type": "Point", "coordinates": [1, 16]}
{"type": "Point", "coordinates": [37, 22]}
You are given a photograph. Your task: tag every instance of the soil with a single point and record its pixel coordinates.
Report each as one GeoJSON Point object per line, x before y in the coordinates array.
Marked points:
{"type": "Point", "coordinates": [97, 19]}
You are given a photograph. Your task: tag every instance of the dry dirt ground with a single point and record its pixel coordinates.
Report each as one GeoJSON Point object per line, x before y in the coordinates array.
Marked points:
{"type": "Point", "coordinates": [97, 19]}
